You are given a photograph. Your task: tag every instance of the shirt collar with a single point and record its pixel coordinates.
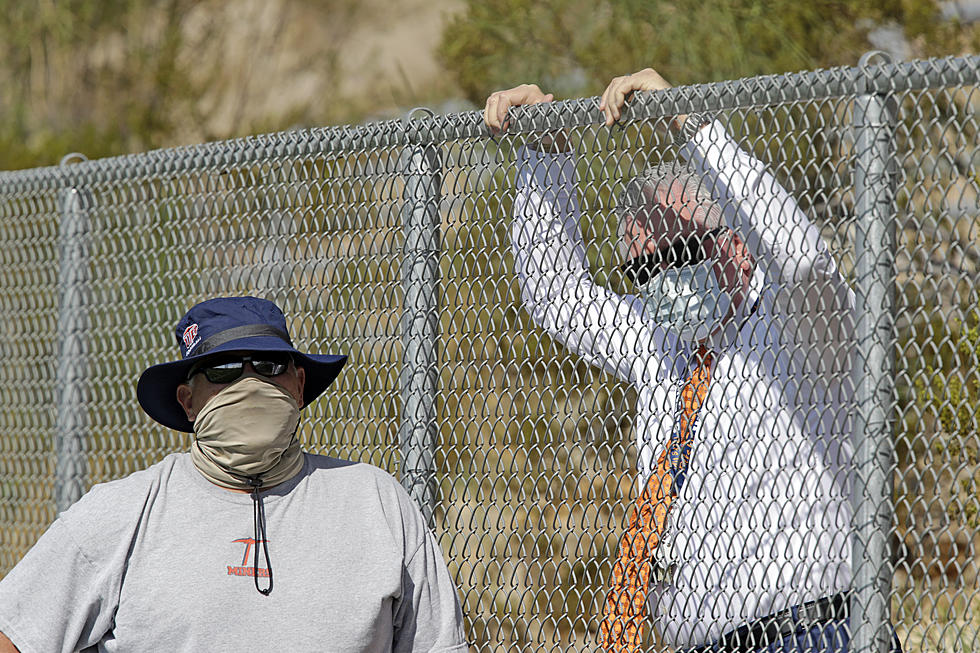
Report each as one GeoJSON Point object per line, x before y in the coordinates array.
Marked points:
{"type": "Point", "coordinates": [727, 336]}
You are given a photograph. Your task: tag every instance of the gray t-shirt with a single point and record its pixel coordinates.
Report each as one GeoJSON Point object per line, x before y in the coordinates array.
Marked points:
{"type": "Point", "coordinates": [162, 561]}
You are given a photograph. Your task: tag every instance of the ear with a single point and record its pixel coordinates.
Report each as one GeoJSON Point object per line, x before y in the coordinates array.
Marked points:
{"type": "Point", "coordinates": [301, 384]}
{"type": "Point", "coordinates": [184, 395]}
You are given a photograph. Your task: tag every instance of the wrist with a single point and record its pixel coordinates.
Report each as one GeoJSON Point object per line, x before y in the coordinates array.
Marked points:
{"type": "Point", "coordinates": [686, 126]}
{"type": "Point", "coordinates": [555, 142]}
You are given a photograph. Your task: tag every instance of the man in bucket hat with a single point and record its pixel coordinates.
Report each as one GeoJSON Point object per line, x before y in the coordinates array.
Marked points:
{"type": "Point", "coordinates": [736, 336]}
{"type": "Point", "coordinates": [246, 542]}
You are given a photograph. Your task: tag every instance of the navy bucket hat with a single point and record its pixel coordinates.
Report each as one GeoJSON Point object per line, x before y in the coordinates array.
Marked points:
{"type": "Point", "coordinates": [221, 325]}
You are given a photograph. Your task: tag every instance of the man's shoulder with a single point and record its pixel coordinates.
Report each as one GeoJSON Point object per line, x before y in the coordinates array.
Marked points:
{"type": "Point", "coordinates": [114, 494]}
{"type": "Point", "coordinates": [146, 476]}
{"type": "Point", "coordinates": [110, 512]}
{"type": "Point", "coordinates": [360, 483]}
{"type": "Point", "coordinates": [370, 493]}
{"type": "Point", "coordinates": [327, 468]}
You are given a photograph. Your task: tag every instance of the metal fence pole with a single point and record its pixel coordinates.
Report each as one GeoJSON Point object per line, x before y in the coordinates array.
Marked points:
{"type": "Point", "coordinates": [418, 432]}
{"type": "Point", "coordinates": [71, 422]}
{"type": "Point", "coordinates": [874, 270]}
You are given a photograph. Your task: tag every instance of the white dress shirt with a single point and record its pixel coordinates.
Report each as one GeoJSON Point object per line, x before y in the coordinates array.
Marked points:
{"type": "Point", "coordinates": [762, 520]}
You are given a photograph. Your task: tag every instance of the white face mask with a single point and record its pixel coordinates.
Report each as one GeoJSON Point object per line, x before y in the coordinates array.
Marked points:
{"type": "Point", "coordinates": [248, 430]}
{"type": "Point", "coordinates": [688, 300]}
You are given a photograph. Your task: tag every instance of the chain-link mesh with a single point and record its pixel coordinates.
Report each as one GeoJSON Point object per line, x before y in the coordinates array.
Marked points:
{"type": "Point", "coordinates": [494, 396]}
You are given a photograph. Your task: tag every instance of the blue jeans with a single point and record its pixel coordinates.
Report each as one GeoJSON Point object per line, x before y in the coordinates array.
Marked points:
{"type": "Point", "coordinates": [826, 637]}
{"type": "Point", "coordinates": [829, 632]}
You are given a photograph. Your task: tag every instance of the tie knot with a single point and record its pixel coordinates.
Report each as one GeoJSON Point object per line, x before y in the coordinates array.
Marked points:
{"type": "Point", "coordinates": [702, 356]}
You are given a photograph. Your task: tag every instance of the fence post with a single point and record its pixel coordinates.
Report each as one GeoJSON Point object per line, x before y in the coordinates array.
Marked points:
{"type": "Point", "coordinates": [71, 422]}
{"type": "Point", "coordinates": [874, 272]}
{"type": "Point", "coordinates": [421, 168]}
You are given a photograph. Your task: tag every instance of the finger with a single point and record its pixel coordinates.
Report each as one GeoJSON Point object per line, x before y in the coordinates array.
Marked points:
{"type": "Point", "coordinates": [608, 108]}
{"type": "Point", "coordinates": [530, 94]}
{"type": "Point", "coordinates": [612, 99]}
{"type": "Point", "coordinates": [618, 95]}
{"type": "Point", "coordinates": [486, 112]}
{"type": "Point", "coordinates": [493, 116]}
{"type": "Point", "coordinates": [490, 112]}
{"type": "Point", "coordinates": [602, 105]}
{"type": "Point", "coordinates": [604, 102]}
{"type": "Point", "coordinates": [620, 92]}
{"type": "Point", "coordinates": [502, 107]}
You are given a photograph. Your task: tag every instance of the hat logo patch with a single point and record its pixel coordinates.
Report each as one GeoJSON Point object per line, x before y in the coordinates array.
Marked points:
{"type": "Point", "coordinates": [190, 337]}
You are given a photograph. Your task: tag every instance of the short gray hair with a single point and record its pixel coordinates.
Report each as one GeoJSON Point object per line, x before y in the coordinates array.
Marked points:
{"type": "Point", "coordinates": [641, 191]}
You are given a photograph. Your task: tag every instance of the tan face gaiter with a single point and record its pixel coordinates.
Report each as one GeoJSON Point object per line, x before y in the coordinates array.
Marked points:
{"type": "Point", "coordinates": [248, 430]}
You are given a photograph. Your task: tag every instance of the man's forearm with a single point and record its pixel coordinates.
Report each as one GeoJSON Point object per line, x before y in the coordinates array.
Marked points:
{"type": "Point", "coordinates": [678, 121]}
{"type": "Point", "coordinates": [6, 646]}
{"type": "Point", "coordinates": [553, 142]}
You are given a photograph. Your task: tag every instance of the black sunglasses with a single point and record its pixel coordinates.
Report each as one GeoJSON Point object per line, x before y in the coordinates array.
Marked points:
{"type": "Point", "coordinates": [229, 368]}
{"type": "Point", "coordinates": [681, 252]}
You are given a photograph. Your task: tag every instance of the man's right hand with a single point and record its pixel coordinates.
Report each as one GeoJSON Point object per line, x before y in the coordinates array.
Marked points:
{"type": "Point", "coordinates": [499, 102]}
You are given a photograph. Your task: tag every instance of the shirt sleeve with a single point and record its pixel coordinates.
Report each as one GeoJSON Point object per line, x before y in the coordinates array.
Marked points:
{"type": "Point", "coordinates": [604, 328]}
{"type": "Point", "coordinates": [815, 300]}
{"type": "Point", "coordinates": [55, 598]}
{"type": "Point", "coordinates": [427, 615]}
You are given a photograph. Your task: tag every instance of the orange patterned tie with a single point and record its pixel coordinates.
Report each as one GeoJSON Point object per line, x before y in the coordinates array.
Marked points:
{"type": "Point", "coordinates": [623, 615]}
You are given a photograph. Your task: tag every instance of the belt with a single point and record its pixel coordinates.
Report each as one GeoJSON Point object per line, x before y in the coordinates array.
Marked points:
{"type": "Point", "coordinates": [762, 632]}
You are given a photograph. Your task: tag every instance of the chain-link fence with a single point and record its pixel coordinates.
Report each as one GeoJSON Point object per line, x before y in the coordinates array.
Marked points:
{"type": "Point", "coordinates": [502, 363]}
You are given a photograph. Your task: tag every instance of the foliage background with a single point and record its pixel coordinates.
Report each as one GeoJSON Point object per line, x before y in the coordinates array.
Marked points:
{"type": "Point", "coordinates": [116, 76]}
{"type": "Point", "coordinates": [105, 77]}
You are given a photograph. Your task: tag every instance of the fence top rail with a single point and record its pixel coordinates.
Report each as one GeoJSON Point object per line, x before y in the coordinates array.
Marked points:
{"type": "Point", "coordinates": [868, 78]}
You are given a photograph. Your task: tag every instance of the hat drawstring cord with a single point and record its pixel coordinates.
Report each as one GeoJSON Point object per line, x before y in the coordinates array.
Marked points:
{"type": "Point", "coordinates": [259, 531]}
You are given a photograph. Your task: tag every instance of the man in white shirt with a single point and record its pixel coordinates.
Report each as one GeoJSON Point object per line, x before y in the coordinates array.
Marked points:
{"type": "Point", "coordinates": [737, 343]}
